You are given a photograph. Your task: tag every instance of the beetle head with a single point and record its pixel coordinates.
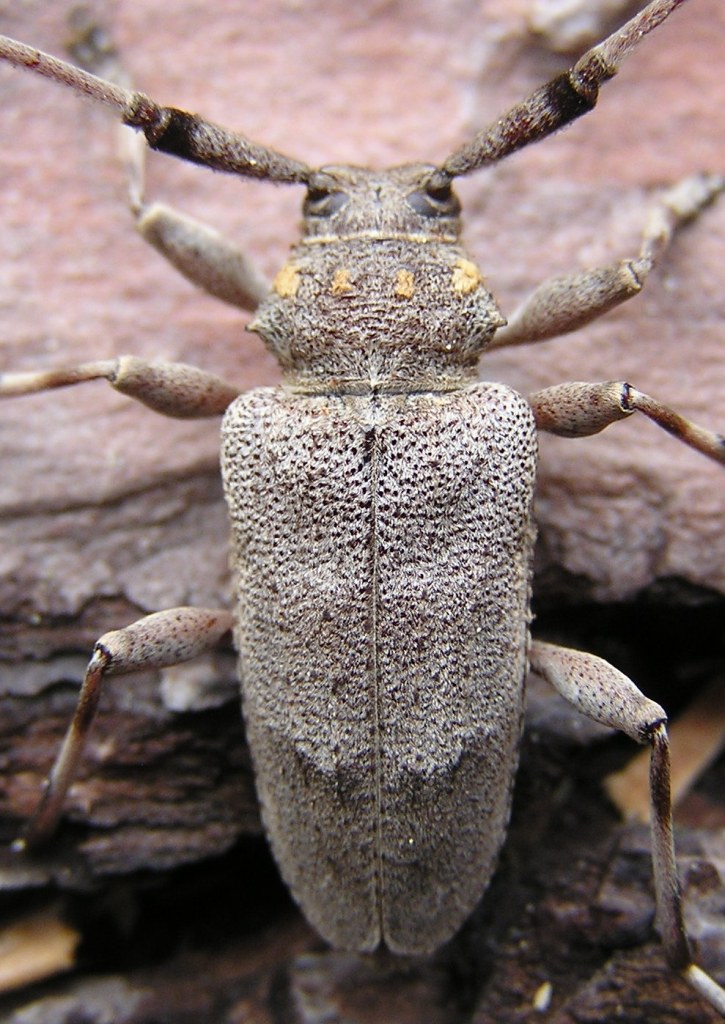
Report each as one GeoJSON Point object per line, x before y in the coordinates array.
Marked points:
{"type": "Point", "coordinates": [410, 200]}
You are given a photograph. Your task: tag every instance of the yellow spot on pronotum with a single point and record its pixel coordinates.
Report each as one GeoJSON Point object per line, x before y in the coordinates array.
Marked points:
{"type": "Point", "coordinates": [404, 284]}
{"type": "Point", "coordinates": [287, 281]}
{"type": "Point", "coordinates": [341, 282]}
{"type": "Point", "coordinates": [466, 277]}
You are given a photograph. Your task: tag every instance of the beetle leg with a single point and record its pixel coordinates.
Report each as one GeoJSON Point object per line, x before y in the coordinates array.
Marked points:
{"type": "Point", "coordinates": [604, 694]}
{"type": "Point", "coordinates": [156, 641]}
{"type": "Point", "coordinates": [579, 409]}
{"type": "Point", "coordinates": [564, 304]}
{"type": "Point", "coordinates": [172, 389]}
{"type": "Point", "coordinates": [202, 255]}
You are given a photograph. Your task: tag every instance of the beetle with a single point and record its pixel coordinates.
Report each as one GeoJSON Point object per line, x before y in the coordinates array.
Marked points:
{"type": "Point", "coordinates": [381, 518]}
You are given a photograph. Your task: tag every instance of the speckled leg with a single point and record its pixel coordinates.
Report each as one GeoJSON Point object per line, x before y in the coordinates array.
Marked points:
{"type": "Point", "coordinates": [563, 304]}
{"type": "Point", "coordinates": [604, 694]}
{"type": "Point", "coordinates": [578, 409]}
{"type": "Point", "coordinates": [172, 389]}
{"type": "Point", "coordinates": [200, 253]}
{"type": "Point", "coordinates": [156, 641]}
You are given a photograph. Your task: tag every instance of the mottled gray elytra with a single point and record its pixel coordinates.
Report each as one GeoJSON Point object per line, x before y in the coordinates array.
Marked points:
{"type": "Point", "coordinates": [381, 509]}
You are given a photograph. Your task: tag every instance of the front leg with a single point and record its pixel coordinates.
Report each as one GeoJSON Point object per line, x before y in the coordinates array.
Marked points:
{"type": "Point", "coordinates": [564, 304]}
{"type": "Point", "coordinates": [200, 253]}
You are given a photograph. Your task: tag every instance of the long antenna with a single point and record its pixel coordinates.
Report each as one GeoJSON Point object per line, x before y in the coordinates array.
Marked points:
{"type": "Point", "coordinates": [561, 101]}
{"type": "Point", "coordinates": [166, 129]}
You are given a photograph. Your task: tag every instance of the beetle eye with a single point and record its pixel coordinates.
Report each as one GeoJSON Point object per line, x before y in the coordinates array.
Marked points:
{"type": "Point", "coordinates": [435, 201]}
{"type": "Point", "coordinates": [321, 202]}
{"type": "Point", "coordinates": [439, 193]}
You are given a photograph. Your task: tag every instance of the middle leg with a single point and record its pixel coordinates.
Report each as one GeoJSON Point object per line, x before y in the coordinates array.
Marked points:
{"type": "Point", "coordinates": [579, 409]}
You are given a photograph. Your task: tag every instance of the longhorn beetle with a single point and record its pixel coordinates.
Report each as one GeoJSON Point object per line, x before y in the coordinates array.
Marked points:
{"type": "Point", "coordinates": [380, 505]}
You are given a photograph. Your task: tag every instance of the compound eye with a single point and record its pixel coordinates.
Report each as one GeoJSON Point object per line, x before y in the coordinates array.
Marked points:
{"type": "Point", "coordinates": [435, 201]}
{"type": "Point", "coordinates": [322, 202]}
